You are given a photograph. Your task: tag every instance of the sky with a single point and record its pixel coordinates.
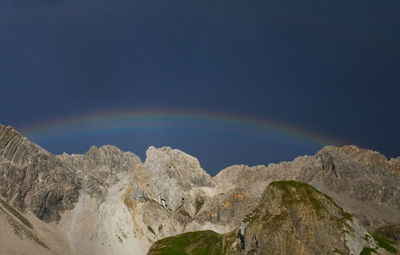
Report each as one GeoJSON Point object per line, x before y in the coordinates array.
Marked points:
{"type": "Point", "coordinates": [229, 82]}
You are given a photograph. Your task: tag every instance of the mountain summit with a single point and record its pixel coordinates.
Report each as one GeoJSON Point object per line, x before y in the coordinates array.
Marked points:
{"type": "Point", "coordinates": [107, 201]}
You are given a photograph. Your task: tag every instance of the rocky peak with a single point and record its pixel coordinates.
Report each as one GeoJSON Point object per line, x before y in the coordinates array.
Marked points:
{"type": "Point", "coordinates": [395, 165]}
{"type": "Point", "coordinates": [17, 148]}
{"type": "Point", "coordinates": [112, 158]}
{"type": "Point", "coordinates": [100, 167]}
{"type": "Point", "coordinates": [369, 158]}
{"type": "Point", "coordinates": [34, 180]}
{"type": "Point", "coordinates": [106, 158]}
{"type": "Point", "coordinates": [138, 203]}
{"type": "Point", "coordinates": [185, 169]}
{"type": "Point", "coordinates": [166, 175]}
{"type": "Point", "coordinates": [8, 132]}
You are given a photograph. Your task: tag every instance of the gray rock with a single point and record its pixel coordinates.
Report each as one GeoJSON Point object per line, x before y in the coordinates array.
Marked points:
{"type": "Point", "coordinates": [362, 181]}
{"type": "Point", "coordinates": [170, 193]}
{"type": "Point", "coordinates": [166, 175]}
{"type": "Point", "coordinates": [99, 167]}
{"type": "Point", "coordinates": [34, 180]}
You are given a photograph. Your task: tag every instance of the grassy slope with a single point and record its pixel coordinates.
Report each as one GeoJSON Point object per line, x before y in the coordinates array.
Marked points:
{"type": "Point", "coordinates": [195, 243]}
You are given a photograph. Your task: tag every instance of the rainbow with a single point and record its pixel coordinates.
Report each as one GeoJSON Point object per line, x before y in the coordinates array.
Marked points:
{"type": "Point", "coordinates": [131, 120]}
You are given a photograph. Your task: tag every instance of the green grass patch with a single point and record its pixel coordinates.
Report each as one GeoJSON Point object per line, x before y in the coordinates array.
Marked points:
{"type": "Point", "coordinates": [367, 251]}
{"type": "Point", "coordinates": [385, 243]}
{"type": "Point", "coordinates": [16, 214]}
{"type": "Point", "coordinates": [191, 243]}
{"type": "Point", "coordinates": [168, 251]}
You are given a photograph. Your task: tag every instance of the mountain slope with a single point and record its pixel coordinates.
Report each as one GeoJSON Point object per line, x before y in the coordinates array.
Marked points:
{"type": "Point", "coordinates": [361, 181]}
{"type": "Point", "coordinates": [26, 234]}
{"type": "Point", "coordinates": [107, 201]}
{"type": "Point", "coordinates": [292, 218]}
{"type": "Point", "coordinates": [34, 180]}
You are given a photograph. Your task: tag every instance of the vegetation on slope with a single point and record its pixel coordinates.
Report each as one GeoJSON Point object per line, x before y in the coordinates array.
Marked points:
{"type": "Point", "coordinates": [368, 251]}
{"type": "Point", "coordinates": [385, 243]}
{"type": "Point", "coordinates": [283, 206]}
{"type": "Point", "coordinates": [308, 195]}
{"type": "Point", "coordinates": [297, 192]}
{"type": "Point", "coordinates": [193, 243]}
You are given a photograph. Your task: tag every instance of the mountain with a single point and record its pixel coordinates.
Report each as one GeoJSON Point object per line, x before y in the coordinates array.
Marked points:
{"type": "Point", "coordinates": [107, 201]}
{"type": "Point", "coordinates": [291, 218]}
{"type": "Point", "coordinates": [35, 180]}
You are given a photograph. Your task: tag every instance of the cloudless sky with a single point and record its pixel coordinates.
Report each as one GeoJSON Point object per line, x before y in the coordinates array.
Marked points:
{"type": "Point", "coordinates": [327, 67]}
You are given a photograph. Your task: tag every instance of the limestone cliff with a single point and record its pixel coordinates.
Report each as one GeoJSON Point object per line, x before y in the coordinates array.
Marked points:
{"type": "Point", "coordinates": [100, 167]}
{"type": "Point", "coordinates": [291, 218]}
{"type": "Point", "coordinates": [34, 180]}
{"type": "Point", "coordinates": [107, 201]}
{"type": "Point", "coordinates": [361, 181]}
{"type": "Point", "coordinates": [295, 218]}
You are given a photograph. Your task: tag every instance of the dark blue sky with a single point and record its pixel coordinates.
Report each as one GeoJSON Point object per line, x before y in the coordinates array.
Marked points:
{"type": "Point", "coordinates": [328, 67]}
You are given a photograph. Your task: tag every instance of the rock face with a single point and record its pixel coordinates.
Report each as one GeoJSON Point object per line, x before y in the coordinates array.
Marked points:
{"type": "Point", "coordinates": [166, 175]}
{"type": "Point", "coordinates": [107, 201]}
{"type": "Point", "coordinates": [361, 181]}
{"type": "Point", "coordinates": [291, 218]}
{"type": "Point", "coordinates": [100, 167]}
{"type": "Point", "coordinates": [33, 180]}
{"type": "Point", "coordinates": [295, 218]}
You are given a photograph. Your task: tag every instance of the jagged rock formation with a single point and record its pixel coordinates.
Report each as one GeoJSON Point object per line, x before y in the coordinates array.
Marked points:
{"type": "Point", "coordinates": [100, 167]}
{"type": "Point", "coordinates": [166, 175]}
{"type": "Point", "coordinates": [394, 165]}
{"type": "Point", "coordinates": [294, 218]}
{"type": "Point", "coordinates": [109, 202]}
{"type": "Point", "coordinates": [33, 180]}
{"type": "Point", "coordinates": [291, 218]}
{"type": "Point", "coordinates": [361, 181]}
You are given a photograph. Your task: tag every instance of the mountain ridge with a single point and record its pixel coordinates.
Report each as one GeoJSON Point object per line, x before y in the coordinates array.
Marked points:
{"type": "Point", "coordinates": [107, 201]}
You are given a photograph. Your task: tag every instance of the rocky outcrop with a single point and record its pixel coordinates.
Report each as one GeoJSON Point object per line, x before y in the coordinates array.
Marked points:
{"type": "Point", "coordinates": [136, 203]}
{"type": "Point", "coordinates": [161, 195]}
{"type": "Point", "coordinates": [100, 167]}
{"type": "Point", "coordinates": [166, 175]}
{"type": "Point", "coordinates": [295, 218]}
{"type": "Point", "coordinates": [33, 180]}
{"type": "Point", "coordinates": [291, 218]}
{"type": "Point", "coordinates": [362, 181]}
{"type": "Point", "coordinates": [125, 205]}
{"type": "Point", "coordinates": [394, 165]}
{"type": "Point", "coordinates": [365, 185]}
{"type": "Point", "coordinates": [104, 162]}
